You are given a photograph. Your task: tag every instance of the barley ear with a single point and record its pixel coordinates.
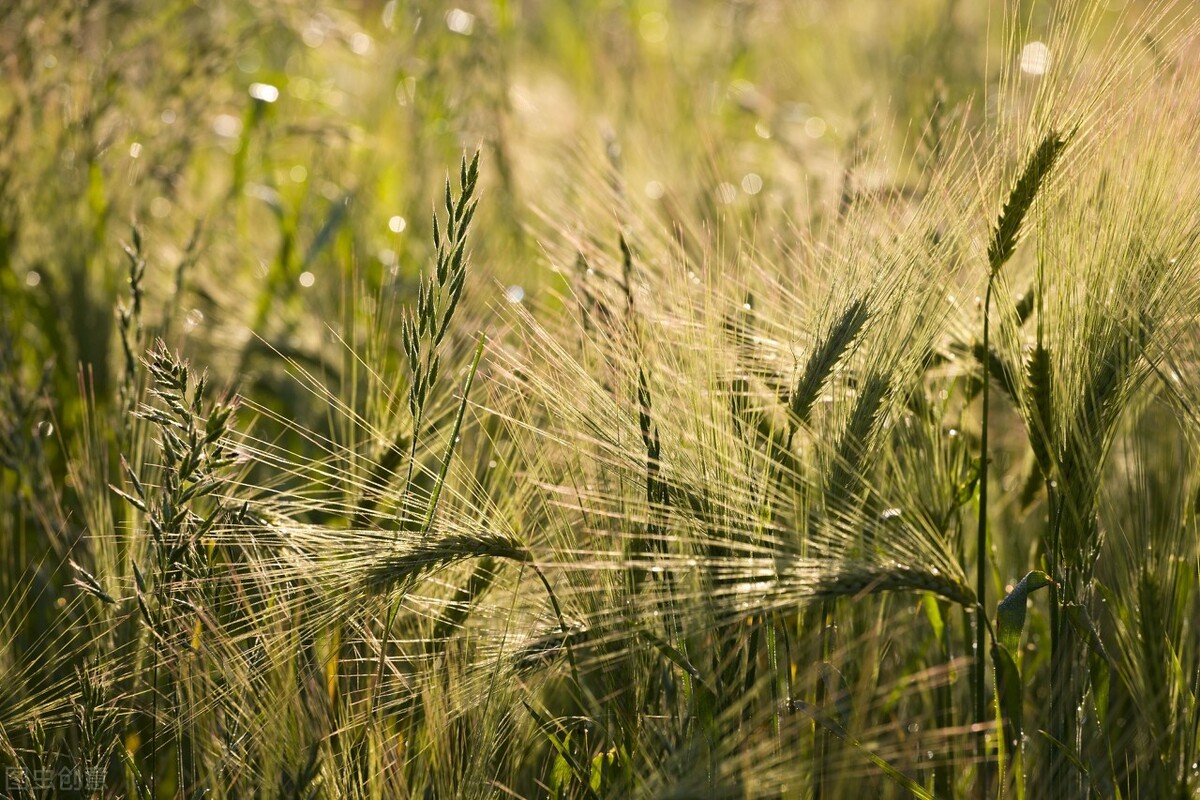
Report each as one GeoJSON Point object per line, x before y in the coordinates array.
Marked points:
{"type": "Point", "coordinates": [1041, 432]}
{"type": "Point", "coordinates": [426, 555]}
{"type": "Point", "coordinates": [859, 580]}
{"type": "Point", "coordinates": [1008, 227]}
{"type": "Point", "coordinates": [825, 357]}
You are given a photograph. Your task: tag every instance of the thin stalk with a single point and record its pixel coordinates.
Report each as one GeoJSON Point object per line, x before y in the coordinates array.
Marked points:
{"type": "Point", "coordinates": [562, 624]}
{"type": "Point", "coordinates": [154, 725]}
{"type": "Point", "coordinates": [820, 733]}
{"type": "Point", "coordinates": [1062, 708]}
{"type": "Point", "coordinates": [1054, 564]}
{"type": "Point", "coordinates": [432, 512]}
{"type": "Point", "coordinates": [943, 781]}
{"type": "Point", "coordinates": [981, 562]}
{"type": "Point", "coordinates": [450, 445]}
{"type": "Point", "coordinates": [773, 660]}
{"type": "Point", "coordinates": [412, 452]}
{"type": "Point", "coordinates": [1005, 235]}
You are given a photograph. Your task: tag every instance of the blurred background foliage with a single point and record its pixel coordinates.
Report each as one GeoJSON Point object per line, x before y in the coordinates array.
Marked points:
{"type": "Point", "coordinates": [269, 152]}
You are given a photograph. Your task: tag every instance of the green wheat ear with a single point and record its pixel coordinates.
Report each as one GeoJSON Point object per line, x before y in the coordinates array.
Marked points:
{"type": "Point", "coordinates": [426, 555]}
{"type": "Point", "coordinates": [863, 579]}
{"type": "Point", "coordinates": [825, 357]}
{"type": "Point", "coordinates": [1008, 227]}
{"type": "Point", "coordinates": [1041, 430]}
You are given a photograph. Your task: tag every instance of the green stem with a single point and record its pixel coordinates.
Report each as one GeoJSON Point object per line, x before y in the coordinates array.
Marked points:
{"type": "Point", "coordinates": [450, 445]}
{"type": "Point", "coordinates": [154, 725]}
{"type": "Point", "coordinates": [981, 559]}
{"type": "Point", "coordinates": [427, 526]}
{"type": "Point", "coordinates": [563, 626]}
{"type": "Point", "coordinates": [821, 734]}
{"type": "Point", "coordinates": [943, 782]}
{"type": "Point", "coordinates": [412, 456]}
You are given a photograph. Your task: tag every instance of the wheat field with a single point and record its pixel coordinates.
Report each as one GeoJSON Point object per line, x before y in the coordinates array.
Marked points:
{"type": "Point", "coordinates": [649, 399]}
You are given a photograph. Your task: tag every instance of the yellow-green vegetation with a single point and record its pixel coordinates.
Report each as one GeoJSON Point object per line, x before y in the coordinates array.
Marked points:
{"type": "Point", "coordinates": [514, 398]}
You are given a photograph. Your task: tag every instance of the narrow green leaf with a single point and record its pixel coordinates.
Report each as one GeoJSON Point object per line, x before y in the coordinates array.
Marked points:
{"type": "Point", "coordinates": [603, 765]}
{"type": "Point", "coordinates": [930, 605]}
{"type": "Point", "coordinates": [1010, 689]}
{"type": "Point", "coordinates": [1067, 752]}
{"type": "Point", "coordinates": [1010, 613]}
{"type": "Point", "coordinates": [1010, 696]}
